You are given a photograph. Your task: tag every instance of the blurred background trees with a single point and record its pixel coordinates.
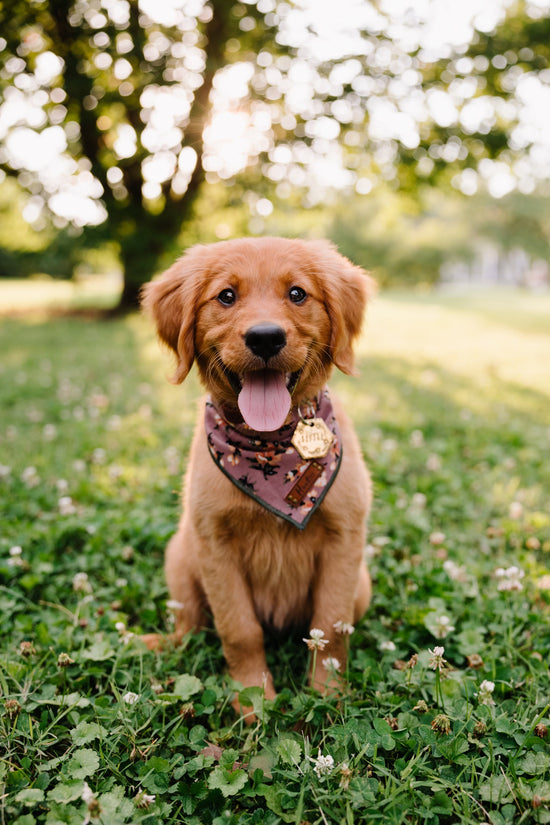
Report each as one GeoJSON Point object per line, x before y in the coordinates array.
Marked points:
{"type": "Point", "coordinates": [136, 128]}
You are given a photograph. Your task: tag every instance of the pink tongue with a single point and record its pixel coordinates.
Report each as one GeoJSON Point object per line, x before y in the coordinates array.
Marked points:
{"type": "Point", "coordinates": [264, 400]}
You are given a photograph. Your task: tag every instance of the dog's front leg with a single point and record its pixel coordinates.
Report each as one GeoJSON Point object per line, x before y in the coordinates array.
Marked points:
{"type": "Point", "coordinates": [240, 631]}
{"type": "Point", "coordinates": [341, 575]}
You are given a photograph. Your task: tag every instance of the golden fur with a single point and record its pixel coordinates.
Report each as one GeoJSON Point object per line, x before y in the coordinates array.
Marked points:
{"type": "Point", "coordinates": [249, 567]}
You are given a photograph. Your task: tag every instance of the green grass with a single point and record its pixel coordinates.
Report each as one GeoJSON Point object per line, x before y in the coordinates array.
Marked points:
{"type": "Point", "coordinates": [42, 293]}
{"type": "Point", "coordinates": [452, 407]}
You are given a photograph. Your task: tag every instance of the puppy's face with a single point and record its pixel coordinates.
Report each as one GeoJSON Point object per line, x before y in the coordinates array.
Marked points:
{"type": "Point", "coordinates": [265, 320]}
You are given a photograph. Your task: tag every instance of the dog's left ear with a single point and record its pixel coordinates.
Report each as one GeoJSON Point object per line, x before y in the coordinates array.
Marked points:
{"type": "Point", "coordinates": [347, 288]}
{"type": "Point", "coordinates": [171, 300]}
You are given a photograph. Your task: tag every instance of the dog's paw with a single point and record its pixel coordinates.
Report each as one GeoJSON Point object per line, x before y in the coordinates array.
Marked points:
{"type": "Point", "coordinates": [262, 688]}
{"type": "Point", "coordinates": [158, 642]}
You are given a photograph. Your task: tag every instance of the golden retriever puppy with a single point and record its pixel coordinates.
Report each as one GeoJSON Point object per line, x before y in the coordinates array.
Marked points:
{"type": "Point", "coordinates": [276, 494]}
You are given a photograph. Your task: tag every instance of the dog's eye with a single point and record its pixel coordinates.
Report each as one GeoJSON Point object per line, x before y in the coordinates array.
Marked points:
{"type": "Point", "coordinates": [227, 297]}
{"type": "Point", "coordinates": [297, 295]}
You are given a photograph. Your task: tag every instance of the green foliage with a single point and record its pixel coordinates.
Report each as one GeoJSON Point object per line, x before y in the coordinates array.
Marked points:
{"type": "Point", "coordinates": [402, 240]}
{"type": "Point", "coordinates": [134, 94]}
{"type": "Point", "coordinates": [112, 63]}
{"type": "Point", "coordinates": [451, 409]}
{"type": "Point", "coordinates": [25, 251]}
{"type": "Point", "coordinates": [492, 68]}
{"type": "Point", "coordinates": [406, 241]}
{"type": "Point", "coordinates": [516, 222]}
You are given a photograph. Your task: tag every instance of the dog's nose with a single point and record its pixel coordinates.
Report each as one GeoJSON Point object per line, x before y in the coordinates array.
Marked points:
{"type": "Point", "coordinates": [265, 340]}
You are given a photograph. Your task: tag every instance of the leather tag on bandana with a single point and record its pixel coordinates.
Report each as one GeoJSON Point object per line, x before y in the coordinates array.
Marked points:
{"type": "Point", "coordinates": [304, 484]}
{"type": "Point", "coordinates": [312, 439]}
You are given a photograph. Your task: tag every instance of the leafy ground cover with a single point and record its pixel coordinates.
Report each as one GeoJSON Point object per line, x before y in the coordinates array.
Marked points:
{"type": "Point", "coordinates": [444, 714]}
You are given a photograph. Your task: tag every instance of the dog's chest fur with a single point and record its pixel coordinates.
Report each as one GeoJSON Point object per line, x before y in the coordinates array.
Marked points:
{"type": "Point", "coordinates": [280, 569]}
{"type": "Point", "coordinates": [277, 559]}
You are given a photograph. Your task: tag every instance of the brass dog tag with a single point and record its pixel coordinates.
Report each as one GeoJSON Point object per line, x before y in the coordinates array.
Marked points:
{"type": "Point", "coordinates": [312, 438]}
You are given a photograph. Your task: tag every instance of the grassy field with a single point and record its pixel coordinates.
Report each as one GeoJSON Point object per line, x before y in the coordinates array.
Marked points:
{"type": "Point", "coordinates": [453, 410]}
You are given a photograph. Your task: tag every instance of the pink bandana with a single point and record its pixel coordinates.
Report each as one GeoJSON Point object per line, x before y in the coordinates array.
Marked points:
{"type": "Point", "coordinates": [268, 468]}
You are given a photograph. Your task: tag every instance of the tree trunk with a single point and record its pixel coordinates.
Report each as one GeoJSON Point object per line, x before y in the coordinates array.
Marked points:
{"type": "Point", "coordinates": [143, 249]}
{"type": "Point", "coordinates": [138, 268]}
{"type": "Point", "coordinates": [153, 235]}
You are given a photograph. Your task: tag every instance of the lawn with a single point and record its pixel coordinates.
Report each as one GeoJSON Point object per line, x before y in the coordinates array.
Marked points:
{"type": "Point", "coordinates": [447, 700]}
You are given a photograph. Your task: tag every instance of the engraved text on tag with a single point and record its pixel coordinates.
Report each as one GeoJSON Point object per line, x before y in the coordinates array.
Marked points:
{"type": "Point", "coordinates": [312, 439]}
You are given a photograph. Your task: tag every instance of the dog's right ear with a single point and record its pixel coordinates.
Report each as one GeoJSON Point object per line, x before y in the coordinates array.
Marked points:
{"type": "Point", "coordinates": [171, 300]}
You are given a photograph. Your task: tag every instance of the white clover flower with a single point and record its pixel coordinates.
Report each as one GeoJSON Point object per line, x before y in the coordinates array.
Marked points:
{"type": "Point", "coordinates": [114, 422]}
{"type": "Point", "coordinates": [370, 552]}
{"type": "Point", "coordinates": [345, 628]}
{"type": "Point", "coordinates": [443, 627]}
{"type": "Point", "coordinates": [66, 506]}
{"type": "Point", "coordinates": [125, 634]}
{"type": "Point", "coordinates": [99, 456]}
{"type": "Point", "coordinates": [173, 604]}
{"type": "Point", "coordinates": [99, 400]}
{"type": "Point", "coordinates": [437, 662]}
{"type": "Point", "coordinates": [434, 463]}
{"type": "Point", "coordinates": [416, 438]}
{"type": "Point", "coordinates": [515, 511]}
{"type": "Point", "coordinates": [323, 765]}
{"type": "Point", "coordinates": [15, 559]}
{"type": "Point", "coordinates": [79, 465]}
{"type": "Point", "coordinates": [345, 773]}
{"type": "Point", "coordinates": [81, 583]}
{"type": "Point", "coordinates": [49, 432]}
{"type": "Point", "coordinates": [381, 541]}
{"type": "Point", "coordinates": [87, 795]}
{"type": "Point", "coordinates": [316, 641]}
{"type": "Point", "coordinates": [5, 471]}
{"type": "Point", "coordinates": [62, 485]}
{"type": "Point", "coordinates": [144, 800]}
{"type": "Point", "coordinates": [510, 578]}
{"type": "Point", "coordinates": [130, 698]}
{"type": "Point", "coordinates": [455, 571]}
{"type": "Point", "coordinates": [331, 663]}
{"type": "Point", "coordinates": [419, 501]}
{"type": "Point", "coordinates": [387, 646]}
{"type": "Point", "coordinates": [437, 537]}
{"type": "Point", "coordinates": [485, 693]}
{"type": "Point", "coordinates": [30, 477]}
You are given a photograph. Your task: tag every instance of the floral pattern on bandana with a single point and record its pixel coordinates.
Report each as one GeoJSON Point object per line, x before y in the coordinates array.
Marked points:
{"type": "Point", "coordinates": [266, 466]}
